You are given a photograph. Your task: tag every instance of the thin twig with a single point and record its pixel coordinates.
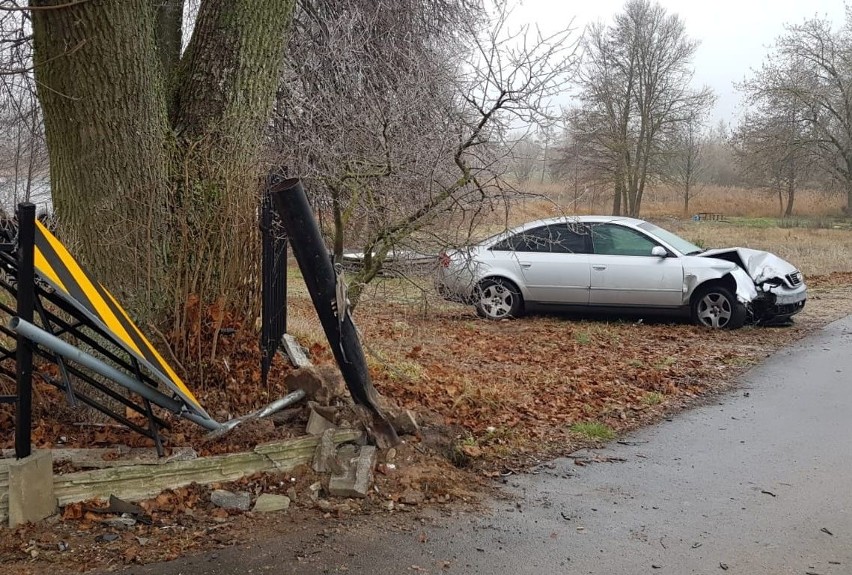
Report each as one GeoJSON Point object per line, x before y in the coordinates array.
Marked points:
{"type": "Point", "coordinates": [41, 8]}
{"type": "Point", "coordinates": [153, 328]}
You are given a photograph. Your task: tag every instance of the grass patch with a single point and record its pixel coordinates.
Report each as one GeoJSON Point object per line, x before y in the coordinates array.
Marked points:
{"type": "Point", "coordinates": [593, 430]}
{"type": "Point", "coordinates": [583, 338]}
{"type": "Point", "coordinates": [401, 370]}
{"type": "Point", "coordinates": [653, 398]}
{"type": "Point", "coordinates": [739, 361]}
{"type": "Point", "coordinates": [667, 361]}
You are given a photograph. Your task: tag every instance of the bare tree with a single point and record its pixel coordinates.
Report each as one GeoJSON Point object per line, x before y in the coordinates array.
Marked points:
{"type": "Point", "coordinates": [684, 163]}
{"type": "Point", "coordinates": [809, 74]}
{"type": "Point", "coordinates": [773, 142]}
{"type": "Point", "coordinates": [635, 90]}
{"type": "Point", "coordinates": [719, 158]}
{"type": "Point", "coordinates": [23, 154]}
{"type": "Point", "coordinates": [526, 158]}
{"type": "Point", "coordinates": [402, 118]}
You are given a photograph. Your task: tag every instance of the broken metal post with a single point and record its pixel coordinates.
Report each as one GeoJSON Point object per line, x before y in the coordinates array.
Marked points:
{"type": "Point", "coordinates": [321, 280]}
{"type": "Point", "coordinates": [24, 354]}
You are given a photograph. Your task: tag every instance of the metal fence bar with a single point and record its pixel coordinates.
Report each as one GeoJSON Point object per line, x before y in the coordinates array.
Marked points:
{"type": "Point", "coordinates": [273, 284]}
{"type": "Point", "coordinates": [25, 305]}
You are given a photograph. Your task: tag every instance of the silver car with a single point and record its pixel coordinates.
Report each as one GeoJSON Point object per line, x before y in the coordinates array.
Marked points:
{"type": "Point", "coordinates": [606, 263]}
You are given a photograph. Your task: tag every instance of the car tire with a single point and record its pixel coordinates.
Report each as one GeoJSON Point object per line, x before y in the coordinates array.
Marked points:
{"type": "Point", "coordinates": [498, 298]}
{"type": "Point", "coordinates": [716, 307]}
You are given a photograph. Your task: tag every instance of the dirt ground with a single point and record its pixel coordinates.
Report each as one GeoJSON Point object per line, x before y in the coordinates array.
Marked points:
{"type": "Point", "coordinates": [493, 398]}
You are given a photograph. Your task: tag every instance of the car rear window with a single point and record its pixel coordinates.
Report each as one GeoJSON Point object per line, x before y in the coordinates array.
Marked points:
{"type": "Point", "coordinates": [554, 238]}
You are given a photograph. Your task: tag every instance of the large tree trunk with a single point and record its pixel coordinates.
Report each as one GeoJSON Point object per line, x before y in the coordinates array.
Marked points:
{"type": "Point", "coordinates": [155, 163]}
{"type": "Point", "coordinates": [617, 194]}
{"type": "Point", "coordinates": [225, 86]}
{"type": "Point", "coordinates": [791, 194]}
{"type": "Point", "coordinates": [100, 86]}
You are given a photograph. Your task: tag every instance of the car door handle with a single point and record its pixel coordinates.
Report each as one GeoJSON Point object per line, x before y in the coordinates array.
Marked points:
{"type": "Point", "coordinates": [599, 268]}
{"type": "Point", "coordinates": [525, 266]}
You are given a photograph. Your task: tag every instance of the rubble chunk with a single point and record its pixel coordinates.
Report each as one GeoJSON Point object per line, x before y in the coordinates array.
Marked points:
{"type": "Point", "coordinates": [230, 500]}
{"type": "Point", "coordinates": [325, 456]}
{"type": "Point", "coordinates": [317, 424]}
{"type": "Point", "coordinates": [357, 478]}
{"type": "Point", "coordinates": [267, 502]}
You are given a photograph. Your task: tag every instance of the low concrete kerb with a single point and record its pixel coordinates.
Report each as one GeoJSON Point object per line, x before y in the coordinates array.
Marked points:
{"type": "Point", "coordinates": [30, 492]}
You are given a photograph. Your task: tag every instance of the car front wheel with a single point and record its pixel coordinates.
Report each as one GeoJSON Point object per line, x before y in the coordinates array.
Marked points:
{"type": "Point", "coordinates": [716, 307]}
{"type": "Point", "coordinates": [497, 299]}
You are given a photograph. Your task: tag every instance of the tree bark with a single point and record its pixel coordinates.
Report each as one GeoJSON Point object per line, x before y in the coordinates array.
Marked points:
{"type": "Point", "coordinates": [100, 86]}
{"type": "Point", "coordinates": [224, 89]}
{"type": "Point", "coordinates": [791, 193]}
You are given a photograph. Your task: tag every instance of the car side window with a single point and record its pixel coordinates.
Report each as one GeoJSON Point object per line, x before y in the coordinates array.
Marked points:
{"type": "Point", "coordinates": [555, 238]}
{"type": "Point", "coordinates": [615, 240]}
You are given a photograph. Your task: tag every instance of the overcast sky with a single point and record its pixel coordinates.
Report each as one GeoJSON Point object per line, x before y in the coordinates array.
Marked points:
{"type": "Point", "coordinates": [734, 34]}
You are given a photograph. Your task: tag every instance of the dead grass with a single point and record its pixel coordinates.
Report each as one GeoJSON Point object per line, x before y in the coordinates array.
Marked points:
{"type": "Point", "coordinates": [814, 251]}
{"type": "Point", "coordinates": [666, 202]}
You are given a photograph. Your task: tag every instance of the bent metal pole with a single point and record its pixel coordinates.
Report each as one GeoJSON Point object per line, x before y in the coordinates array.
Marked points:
{"type": "Point", "coordinates": [68, 351]}
{"type": "Point", "coordinates": [307, 244]}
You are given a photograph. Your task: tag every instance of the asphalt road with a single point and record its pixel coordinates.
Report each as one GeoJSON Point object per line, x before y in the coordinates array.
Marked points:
{"type": "Point", "coordinates": [759, 482]}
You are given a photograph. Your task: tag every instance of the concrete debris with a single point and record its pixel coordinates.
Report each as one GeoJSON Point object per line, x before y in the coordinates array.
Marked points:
{"type": "Point", "coordinates": [317, 424]}
{"type": "Point", "coordinates": [346, 453]}
{"type": "Point", "coordinates": [308, 379]}
{"type": "Point", "coordinates": [325, 456]}
{"type": "Point", "coordinates": [230, 500]}
{"type": "Point", "coordinates": [107, 537]}
{"type": "Point", "coordinates": [267, 503]}
{"type": "Point", "coordinates": [357, 478]}
{"type": "Point", "coordinates": [126, 521]}
{"type": "Point", "coordinates": [327, 411]}
{"type": "Point", "coordinates": [31, 494]}
{"type": "Point", "coordinates": [314, 491]}
{"type": "Point", "coordinates": [295, 352]}
{"type": "Point", "coordinates": [291, 493]}
{"type": "Point", "coordinates": [334, 383]}
{"type": "Point", "coordinates": [316, 385]}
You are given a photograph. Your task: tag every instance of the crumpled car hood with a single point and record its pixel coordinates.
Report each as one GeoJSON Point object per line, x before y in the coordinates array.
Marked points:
{"type": "Point", "coordinates": [759, 265]}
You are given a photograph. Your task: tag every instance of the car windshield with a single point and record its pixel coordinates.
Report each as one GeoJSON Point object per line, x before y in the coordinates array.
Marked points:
{"type": "Point", "coordinates": [675, 241]}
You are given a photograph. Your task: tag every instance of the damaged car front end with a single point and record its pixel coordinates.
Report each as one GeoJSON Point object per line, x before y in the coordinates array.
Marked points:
{"type": "Point", "coordinates": [779, 288]}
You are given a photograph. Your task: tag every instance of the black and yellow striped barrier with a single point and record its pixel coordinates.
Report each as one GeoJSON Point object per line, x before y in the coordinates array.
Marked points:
{"type": "Point", "coordinates": [55, 264]}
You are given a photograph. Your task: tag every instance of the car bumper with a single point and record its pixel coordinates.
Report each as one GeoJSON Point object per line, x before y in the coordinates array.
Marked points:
{"type": "Point", "coordinates": [780, 304]}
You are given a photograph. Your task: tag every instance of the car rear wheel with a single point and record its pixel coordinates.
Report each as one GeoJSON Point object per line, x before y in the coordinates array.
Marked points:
{"type": "Point", "coordinates": [497, 298]}
{"type": "Point", "coordinates": [716, 307]}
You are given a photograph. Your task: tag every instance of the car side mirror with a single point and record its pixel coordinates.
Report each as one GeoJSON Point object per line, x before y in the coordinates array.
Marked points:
{"type": "Point", "coordinates": [659, 251]}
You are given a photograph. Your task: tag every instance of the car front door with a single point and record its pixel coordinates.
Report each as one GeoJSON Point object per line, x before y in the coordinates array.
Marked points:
{"type": "Point", "coordinates": [624, 273]}
{"type": "Point", "coordinates": [554, 261]}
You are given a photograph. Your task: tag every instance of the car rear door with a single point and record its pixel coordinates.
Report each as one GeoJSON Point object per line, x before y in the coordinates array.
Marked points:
{"type": "Point", "coordinates": [624, 273]}
{"type": "Point", "coordinates": [554, 262]}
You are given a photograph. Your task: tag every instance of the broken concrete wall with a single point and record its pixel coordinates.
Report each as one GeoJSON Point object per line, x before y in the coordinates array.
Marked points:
{"type": "Point", "coordinates": [135, 482]}
{"type": "Point", "coordinates": [4, 492]}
